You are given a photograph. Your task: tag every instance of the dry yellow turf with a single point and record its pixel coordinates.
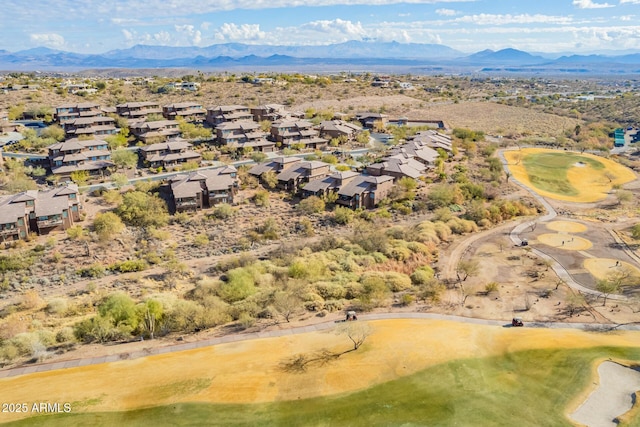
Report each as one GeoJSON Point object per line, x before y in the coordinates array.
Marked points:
{"type": "Point", "coordinates": [592, 185]}
{"type": "Point", "coordinates": [565, 241]}
{"type": "Point", "coordinates": [602, 268]}
{"type": "Point", "coordinates": [567, 226]}
{"type": "Point", "coordinates": [250, 371]}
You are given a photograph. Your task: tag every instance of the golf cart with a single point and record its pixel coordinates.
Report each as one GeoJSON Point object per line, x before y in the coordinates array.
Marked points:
{"type": "Point", "coordinates": [517, 321]}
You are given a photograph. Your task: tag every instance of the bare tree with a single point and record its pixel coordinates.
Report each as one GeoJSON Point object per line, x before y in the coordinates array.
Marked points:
{"type": "Point", "coordinates": [356, 331]}
{"type": "Point", "coordinates": [286, 305]}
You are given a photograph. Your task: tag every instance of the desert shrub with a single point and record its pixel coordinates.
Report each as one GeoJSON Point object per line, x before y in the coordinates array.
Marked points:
{"type": "Point", "coordinates": [353, 290]}
{"type": "Point", "coordinates": [107, 225]}
{"type": "Point", "coordinates": [112, 197]}
{"type": "Point", "coordinates": [491, 287]}
{"type": "Point", "coordinates": [306, 227]}
{"type": "Point", "coordinates": [462, 226]}
{"type": "Point", "coordinates": [397, 281]}
{"type": "Point", "coordinates": [57, 306]}
{"type": "Point", "coordinates": [261, 198]}
{"type": "Point", "coordinates": [75, 232]}
{"type": "Point", "coordinates": [223, 211]}
{"type": "Point", "coordinates": [239, 285]}
{"type": "Point", "coordinates": [65, 335]}
{"type": "Point", "coordinates": [343, 215]}
{"type": "Point", "coordinates": [31, 299]}
{"type": "Point", "coordinates": [635, 231]}
{"type": "Point", "coordinates": [311, 205]}
{"type": "Point", "coordinates": [129, 266]}
{"type": "Point", "coordinates": [443, 195]}
{"type": "Point", "coordinates": [422, 275]}
{"type": "Point", "coordinates": [94, 270]}
{"type": "Point", "coordinates": [419, 248]}
{"type": "Point", "coordinates": [406, 299]}
{"type": "Point", "coordinates": [201, 240]}
{"type": "Point", "coordinates": [269, 230]}
{"type": "Point", "coordinates": [398, 250]}
{"type": "Point", "coordinates": [432, 291]}
{"type": "Point", "coordinates": [16, 261]}
{"type": "Point", "coordinates": [333, 305]}
{"type": "Point", "coordinates": [374, 289]}
{"type": "Point", "coordinates": [379, 257]}
{"type": "Point", "coordinates": [370, 238]}
{"type": "Point", "coordinates": [246, 321]}
{"type": "Point", "coordinates": [330, 290]}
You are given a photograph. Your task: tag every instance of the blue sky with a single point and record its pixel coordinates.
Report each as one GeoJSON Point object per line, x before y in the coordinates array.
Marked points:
{"type": "Point", "coordinates": [96, 26]}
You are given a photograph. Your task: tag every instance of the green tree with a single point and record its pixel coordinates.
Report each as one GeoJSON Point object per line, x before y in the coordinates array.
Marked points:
{"type": "Point", "coordinates": [116, 141]}
{"type": "Point", "coordinates": [607, 287]}
{"type": "Point", "coordinates": [193, 131]}
{"type": "Point", "coordinates": [107, 225]}
{"type": "Point", "coordinates": [467, 268]}
{"type": "Point", "coordinates": [119, 179]}
{"type": "Point", "coordinates": [143, 210]}
{"type": "Point", "coordinates": [53, 132]}
{"type": "Point", "coordinates": [442, 195]}
{"type": "Point", "coordinates": [258, 156]}
{"type": "Point", "coordinates": [124, 158]}
{"type": "Point", "coordinates": [270, 179]}
{"type": "Point", "coordinates": [120, 308]}
{"type": "Point", "coordinates": [80, 177]}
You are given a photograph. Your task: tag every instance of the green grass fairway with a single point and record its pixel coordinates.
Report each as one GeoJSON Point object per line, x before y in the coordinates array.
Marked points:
{"type": "Point", "coordinates": [528, 388]}
{"type": "Point", "coordinates": [548, 171]}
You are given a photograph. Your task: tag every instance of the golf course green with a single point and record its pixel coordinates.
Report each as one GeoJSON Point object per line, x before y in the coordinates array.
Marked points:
{"type": "Point", "coordinates": [525, 388]}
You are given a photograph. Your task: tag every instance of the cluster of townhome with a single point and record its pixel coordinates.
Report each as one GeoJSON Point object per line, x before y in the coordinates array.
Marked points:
{"type": "Point", "coordinates": [37, 211]}
{"type": "Point", "coordinates": [237, 126]}
{"type": "Point", "coordinates": [313, 178]}
{"type": "Point", "coordinates": [357, 190]}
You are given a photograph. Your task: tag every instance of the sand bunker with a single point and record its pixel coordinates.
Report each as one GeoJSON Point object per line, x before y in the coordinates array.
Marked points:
{"type": "Point", "coordinates": [567, 226]}
{"type": "Point", "coordinates": [602, 268]}
{"type": "Point", "coordinates": [612, 398]}
{"type": "Point", "coordinates": [565, 241]}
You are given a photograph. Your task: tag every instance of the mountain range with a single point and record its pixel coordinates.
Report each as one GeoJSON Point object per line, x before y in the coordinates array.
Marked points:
{"type": "Point", "coordinates": [391, 56]}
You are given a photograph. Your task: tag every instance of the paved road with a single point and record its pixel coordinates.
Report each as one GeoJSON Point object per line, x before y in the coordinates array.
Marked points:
{"type": "Point", "coordinates": [44, 367]}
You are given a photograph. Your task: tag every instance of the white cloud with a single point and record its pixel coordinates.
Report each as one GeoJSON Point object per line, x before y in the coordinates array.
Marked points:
{"type": "Point", "coordinates": [124, 21]}
{"type": "Point", "coordinates": [194, 35]}
{"type": "Point", "coordinates": [589, 4]}
{"type": "Point", "coordinates": [446, 12]}
{"type": "Point", "coordinates": [239, 33]}
{"type": "Point", "coordinates": [337, 27]}
{"type": "Point", "coordinates": [629, 1]}
{"type": "Point", "coordinates": [128, 35]}
{"type": "Point", "coordinates": [491, 19]}
{"type": "Point", "coordinates": [48, 39]}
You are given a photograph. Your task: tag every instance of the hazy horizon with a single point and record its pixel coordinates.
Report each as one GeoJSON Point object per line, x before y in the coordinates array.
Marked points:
{"type": "Point", "coordinates": [554, 27]}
